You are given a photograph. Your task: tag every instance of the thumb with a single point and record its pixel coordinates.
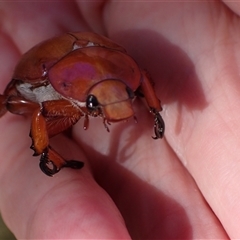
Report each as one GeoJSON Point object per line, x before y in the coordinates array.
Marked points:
{"type": "Point", "coordinates": [69, 205]}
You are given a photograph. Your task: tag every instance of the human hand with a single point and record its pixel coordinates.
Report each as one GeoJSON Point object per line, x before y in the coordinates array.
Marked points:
{"type": "Point", "coordinates": [184, 186]}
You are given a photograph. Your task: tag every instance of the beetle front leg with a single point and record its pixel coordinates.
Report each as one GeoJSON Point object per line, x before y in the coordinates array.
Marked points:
{"type": "Point", "coordinates": [51, 162]}
{"type": "Point", "coordinates": [45, 124]}
{"type": "Point", "coordinates": [154, 105]}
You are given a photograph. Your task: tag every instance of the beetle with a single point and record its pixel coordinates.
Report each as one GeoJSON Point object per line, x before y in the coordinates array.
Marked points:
{"type": "Point", "coordinates": [73, 76]}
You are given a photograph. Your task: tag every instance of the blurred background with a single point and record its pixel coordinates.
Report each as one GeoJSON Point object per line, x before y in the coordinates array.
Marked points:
{"type": "Point", "coordinates": [5, 234]}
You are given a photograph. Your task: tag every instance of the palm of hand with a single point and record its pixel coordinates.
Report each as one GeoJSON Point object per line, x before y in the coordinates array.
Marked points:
{"type": "Point", "coordinates": [163, 189]}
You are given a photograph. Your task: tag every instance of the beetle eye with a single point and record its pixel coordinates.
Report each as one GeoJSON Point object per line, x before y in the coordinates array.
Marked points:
{"type": "Point", "coordinates": [92, 102]}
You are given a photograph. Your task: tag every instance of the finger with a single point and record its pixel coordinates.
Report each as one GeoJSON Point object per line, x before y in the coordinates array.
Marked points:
{"type": "Point", "coordinates": [147, 182]}
{"type": "Point", "coordinates": [68, 205]}
{"type": "Point", "coordinates": [21, 19]}
{"type": "Point", "coordinates": [233, 6]}
{"type": "Point", "coordinates": [201, 116]}
{"type": "Point", "coordinates": [175, 61]}
{"type": "Point", "coordinates": [71, 195]}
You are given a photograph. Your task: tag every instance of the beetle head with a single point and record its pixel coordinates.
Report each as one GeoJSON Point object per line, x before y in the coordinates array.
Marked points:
{"type": "Point", "coordinates": [112, 99]}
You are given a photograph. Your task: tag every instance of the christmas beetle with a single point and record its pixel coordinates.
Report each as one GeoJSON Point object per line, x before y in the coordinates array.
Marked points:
{"type": "Point", "coordinates": [75, 76]}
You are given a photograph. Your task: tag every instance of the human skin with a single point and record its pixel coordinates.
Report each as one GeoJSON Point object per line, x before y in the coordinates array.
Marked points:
{"type": "Point", "coordinates": [183, 186]}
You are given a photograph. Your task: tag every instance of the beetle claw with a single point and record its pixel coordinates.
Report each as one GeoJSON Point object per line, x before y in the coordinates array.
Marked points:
{"type": "Point", "coordinates": [47, 167]}
{"type": "Point", "coordinates": [74, 164]}
{"type": "Point", "coordinates": [48, 171]}
{"type": "Point", "coordinates": [159, 126]}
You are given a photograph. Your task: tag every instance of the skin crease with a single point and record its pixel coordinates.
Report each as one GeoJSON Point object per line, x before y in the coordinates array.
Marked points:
{"type": "Point", "coordinates": [185, 186]}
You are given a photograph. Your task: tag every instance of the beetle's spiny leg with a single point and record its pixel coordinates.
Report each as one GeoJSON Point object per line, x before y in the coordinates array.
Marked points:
{"type": "Point", "coordinates": [32, 146]}
{"type": "Point", "coordinates": [47, 167]}
{"type": "Point", "coordinates": [74, 164]}
{"type": "Point", "coordinates": [51, 162]}
{"type": "Point", "coordinates": [159, 125]}
{"type": "Point", "coordinates": [106, 123]}
{"type": "Point", "coordinates": [86, 122]}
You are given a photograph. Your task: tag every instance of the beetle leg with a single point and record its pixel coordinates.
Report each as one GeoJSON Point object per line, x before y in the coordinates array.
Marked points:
{"type": "Point", "coordinates": [86, 122]}
{"type": "Point", "coordinates": [60, 115]}
{"type": "Point", "coordinates": [20, 105]}
{"type": "Point", "coordinates": [159, 125]}
{"type": "Point", "coordinates": [46, 165]}
{"type": "Point", "coordinates": [51, 162]}
{"type": "Point", "coordinates": [106, 123]}
{"type": "Point", "coordinates": [53, 118]}
{"type": "Point", "coordinates": [154, 105]}
{"type": "Point", "coordinates": [38, 133]}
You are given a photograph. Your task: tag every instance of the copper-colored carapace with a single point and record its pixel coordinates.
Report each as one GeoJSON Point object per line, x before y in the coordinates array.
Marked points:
{"type": "Point", "coordinates": [75, 76]}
